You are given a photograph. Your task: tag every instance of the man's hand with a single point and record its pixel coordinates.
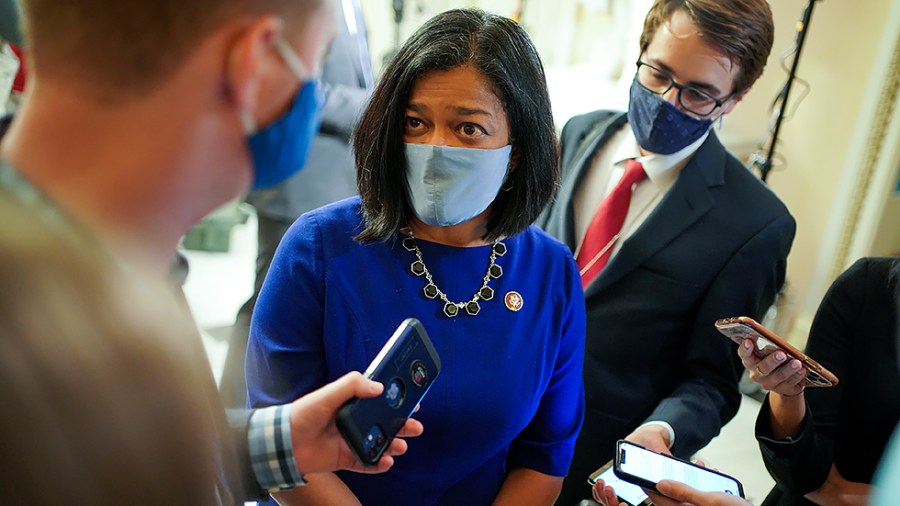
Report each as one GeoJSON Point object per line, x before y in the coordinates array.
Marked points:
{"type": "Point", "coordinates": [673, 493]}
{"type": "Point", "coordinates": [319, 447]}
{"type": "Point", "coordinates": [652, 437]}
{"type": "Point", "coordinates": [605, 495]}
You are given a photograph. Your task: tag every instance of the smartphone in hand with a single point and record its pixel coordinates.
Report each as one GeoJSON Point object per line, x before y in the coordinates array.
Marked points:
{"type": "Point", "coordinates": [627, 493]}
{"type": "Point", "coordinates": [741, 327]}
{"type": "Point", "coordinates": [645, 468]}
{"type": "Point", "coordinates": [407, 366]}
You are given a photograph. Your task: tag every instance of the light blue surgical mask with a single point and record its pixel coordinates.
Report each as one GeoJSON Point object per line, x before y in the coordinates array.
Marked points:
{"type": "Point", "coordinates": [448, 186]}
{"type": "Point", "coordinates": [280, 149]}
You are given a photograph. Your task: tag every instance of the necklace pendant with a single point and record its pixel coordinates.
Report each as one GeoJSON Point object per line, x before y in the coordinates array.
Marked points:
{"type": "Point", "coordinates": [450, 309]}
{"type": "Point", "coordinates": [495, 271]}
{"type": "Point", "coordinates": [417, 267]}
{"type": "Point", "coordinates": [431, 290]}
{"type": "Point", "coordinates": [486, 293]}
{"type": "Point", "coordinates": [473, 308]}
{"type": "Point", "coordinates": [499, 249]}
{"type": "Point", "coordinates": [410, 244]}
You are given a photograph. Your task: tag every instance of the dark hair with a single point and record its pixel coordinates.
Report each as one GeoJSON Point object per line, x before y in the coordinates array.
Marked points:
{"type": "Point", "coordinates": [503, 52]}
{"type": "Point", "coordinates": [742, 29]}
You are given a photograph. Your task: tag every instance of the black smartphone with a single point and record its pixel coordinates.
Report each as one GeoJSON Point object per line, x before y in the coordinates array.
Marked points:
{"type": "Point", "coordinates": [407, 366]}
{"type": "Point", "coordinates": [645, 468]}
{"type": "Point", "coordinates": [627, 493]}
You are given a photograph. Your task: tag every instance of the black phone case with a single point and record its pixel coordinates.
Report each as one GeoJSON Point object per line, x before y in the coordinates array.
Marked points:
{"type": "Point", "coordinates": [647, 484]}
{"type": "Point", "coordinates": [407, 366]}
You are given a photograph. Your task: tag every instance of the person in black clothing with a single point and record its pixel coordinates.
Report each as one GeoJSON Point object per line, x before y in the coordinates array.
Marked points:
{"type": "Point", "coordinates": [820, 444]}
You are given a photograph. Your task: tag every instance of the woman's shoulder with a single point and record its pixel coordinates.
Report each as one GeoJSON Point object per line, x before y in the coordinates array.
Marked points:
{"type": "Point", "coordinates": [875, 272]}
{"type": "Point", "coordinates": [537, 241]}
{"type": "Point", "coordinates": [341, 219]}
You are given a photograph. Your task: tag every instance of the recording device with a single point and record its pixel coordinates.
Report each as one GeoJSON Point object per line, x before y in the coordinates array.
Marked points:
{"type": "Point", "coordinates": [407, 366]}
{"type": "Point", "coordinates": [766, 342]}
{"type": "Point", "coordinates": [628, 493]}
{"type": "Point", "coordinates": [645, 468]}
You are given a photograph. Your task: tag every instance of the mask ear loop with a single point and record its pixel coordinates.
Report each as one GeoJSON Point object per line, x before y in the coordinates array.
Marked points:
{"type": "Point", "coordinates": [292, 60]}
{"type": "Point", "coordinates": [507, 182]}
{"type": "Point", "coordinates": [297, 67]}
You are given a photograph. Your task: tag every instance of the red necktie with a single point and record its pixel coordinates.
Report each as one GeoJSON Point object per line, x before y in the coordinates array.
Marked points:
{"type": "Point", "coordinates": [606, 224]}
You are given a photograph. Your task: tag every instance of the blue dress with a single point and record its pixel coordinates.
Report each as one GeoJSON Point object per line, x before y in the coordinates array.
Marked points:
{"type": "Point", "coordinates": [510, 394]}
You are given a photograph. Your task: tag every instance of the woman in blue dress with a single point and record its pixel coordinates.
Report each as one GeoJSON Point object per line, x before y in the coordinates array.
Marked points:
{"type": "Point", "coordinates": [456, 156]}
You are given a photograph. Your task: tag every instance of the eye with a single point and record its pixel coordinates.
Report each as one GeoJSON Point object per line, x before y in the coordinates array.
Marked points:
{"type": "Point", "coordinates": [413, 123]}
{"type": "Point", "coordinates": [696, 96]}
{"type": "Point", "coordinates": [472, 130]}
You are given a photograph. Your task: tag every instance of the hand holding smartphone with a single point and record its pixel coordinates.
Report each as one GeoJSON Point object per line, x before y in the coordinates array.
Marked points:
{"type": "Point", "coordinates": [628, 493]}
{"type": "Point", "coordinates": [741, 327]}
{"type": "Point", "coordinates": [640, 466]}
{"type": "Point", "coordinates": [407, 366]}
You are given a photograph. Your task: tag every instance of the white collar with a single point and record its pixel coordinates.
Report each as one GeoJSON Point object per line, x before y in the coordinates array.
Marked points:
{"type": "Point", "coordinates": [661, 169]}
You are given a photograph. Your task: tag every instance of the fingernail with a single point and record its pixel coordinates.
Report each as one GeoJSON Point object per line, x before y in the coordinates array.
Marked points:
{"type": "Point", "coordinates": [795, 364]}
{"type": "Point", "coordinates": [746, 345]}
{"type": "Point", "coordinates": [780, 356]}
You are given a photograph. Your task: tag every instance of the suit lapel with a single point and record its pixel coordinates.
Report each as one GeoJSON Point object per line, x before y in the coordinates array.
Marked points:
{"type": "Point", "coordinates": [581, 161]}
{"type": "Point", "coordinates": [685, 203]}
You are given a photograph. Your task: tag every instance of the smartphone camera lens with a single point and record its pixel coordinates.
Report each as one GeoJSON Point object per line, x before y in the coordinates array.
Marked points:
{"type": "Point", "coordinates": [373, 442]}
{"type": "Point", "coordinates": [419, 373]}
{"type": "Point", "coordinates": [395, 392]}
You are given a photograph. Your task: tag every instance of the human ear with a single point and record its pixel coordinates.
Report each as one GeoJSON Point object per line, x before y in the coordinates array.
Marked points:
{"type": "Point", "coordinates": [249, 61]}
{"type": "Point", "coordinates": [733, 101]}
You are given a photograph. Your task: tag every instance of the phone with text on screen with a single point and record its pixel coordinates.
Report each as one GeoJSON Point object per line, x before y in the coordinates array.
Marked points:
{"type": "Point", "coordinates": [407, 366]}
{"type": "Point", "coordinates": [645, 468]}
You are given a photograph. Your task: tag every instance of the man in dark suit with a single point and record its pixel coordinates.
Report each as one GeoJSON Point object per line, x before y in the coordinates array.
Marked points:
{"type": "Point", "coordinates": [671, 232]}
{"type": "Point", "coordinates": [328, 176]}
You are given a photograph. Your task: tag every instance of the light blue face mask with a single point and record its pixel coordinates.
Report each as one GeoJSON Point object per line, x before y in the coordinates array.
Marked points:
{"type": "Point", "coordinates": [447, 186]}
{"type": "Point", "coordinates": [280, 149]}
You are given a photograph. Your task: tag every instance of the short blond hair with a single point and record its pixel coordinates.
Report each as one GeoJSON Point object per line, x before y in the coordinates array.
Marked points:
{"type": "Point", "coordinates": [130, 46]}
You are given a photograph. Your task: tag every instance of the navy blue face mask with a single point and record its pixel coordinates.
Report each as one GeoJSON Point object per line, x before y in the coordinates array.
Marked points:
{"type": "Point", "coordinates": [281, 149]}
{"type": "Point", "coordinates": [659, 126]}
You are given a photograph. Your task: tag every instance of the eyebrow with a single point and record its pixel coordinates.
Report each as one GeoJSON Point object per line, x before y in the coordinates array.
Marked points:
{"type": "Point", "coordinates": [700, 85]}
{"type": "Point", "coordinates": [460, 110]}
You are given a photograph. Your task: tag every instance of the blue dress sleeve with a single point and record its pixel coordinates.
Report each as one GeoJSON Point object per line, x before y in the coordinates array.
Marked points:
{"type": "Point", "coordinates": [285, 353]}
{"type": "Point", "coordinates": [547, 444]}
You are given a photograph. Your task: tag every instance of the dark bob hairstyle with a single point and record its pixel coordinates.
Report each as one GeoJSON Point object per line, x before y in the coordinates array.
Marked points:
{"type": "Point", "coordinates": [503, 52]}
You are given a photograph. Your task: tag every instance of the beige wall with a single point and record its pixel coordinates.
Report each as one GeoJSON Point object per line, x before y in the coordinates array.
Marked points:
{"type": "Point", "coordinates": [838, 60]}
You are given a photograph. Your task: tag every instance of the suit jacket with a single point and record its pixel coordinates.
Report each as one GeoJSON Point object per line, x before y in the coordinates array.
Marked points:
{"type": "Point", "coordinates": [329, 174]}
{"type": "Point", "coordinates": [715, 246]}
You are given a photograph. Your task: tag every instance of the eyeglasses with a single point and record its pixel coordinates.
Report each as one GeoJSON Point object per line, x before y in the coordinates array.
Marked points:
{"type": "Point", "coordinates": [689, 98]}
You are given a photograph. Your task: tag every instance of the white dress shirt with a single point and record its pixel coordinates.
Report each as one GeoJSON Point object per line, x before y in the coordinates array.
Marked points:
{"type": "Point", "coordinates": [607, 168]}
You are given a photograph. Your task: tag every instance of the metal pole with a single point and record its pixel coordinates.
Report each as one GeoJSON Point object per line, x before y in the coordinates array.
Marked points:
{"type": "Point", "coordinates": [765, 165]}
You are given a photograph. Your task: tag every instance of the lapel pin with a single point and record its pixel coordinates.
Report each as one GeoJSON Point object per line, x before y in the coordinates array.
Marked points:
{"type": "Point", "coordinates": [513, 301]}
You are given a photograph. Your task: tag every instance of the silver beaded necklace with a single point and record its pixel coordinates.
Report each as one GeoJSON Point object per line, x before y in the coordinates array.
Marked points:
{"type": "Point", "coordinates": [431, 290]}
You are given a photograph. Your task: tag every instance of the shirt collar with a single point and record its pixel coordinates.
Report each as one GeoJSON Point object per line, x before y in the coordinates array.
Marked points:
{"type": "Point", "coordinates": [660, 169]}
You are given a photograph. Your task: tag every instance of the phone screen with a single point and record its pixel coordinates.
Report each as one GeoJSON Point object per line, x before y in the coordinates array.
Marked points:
{"type": "Point", "coordinates": [654, 467]}
{"type": "Point", "coordinates": [628, 492]}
